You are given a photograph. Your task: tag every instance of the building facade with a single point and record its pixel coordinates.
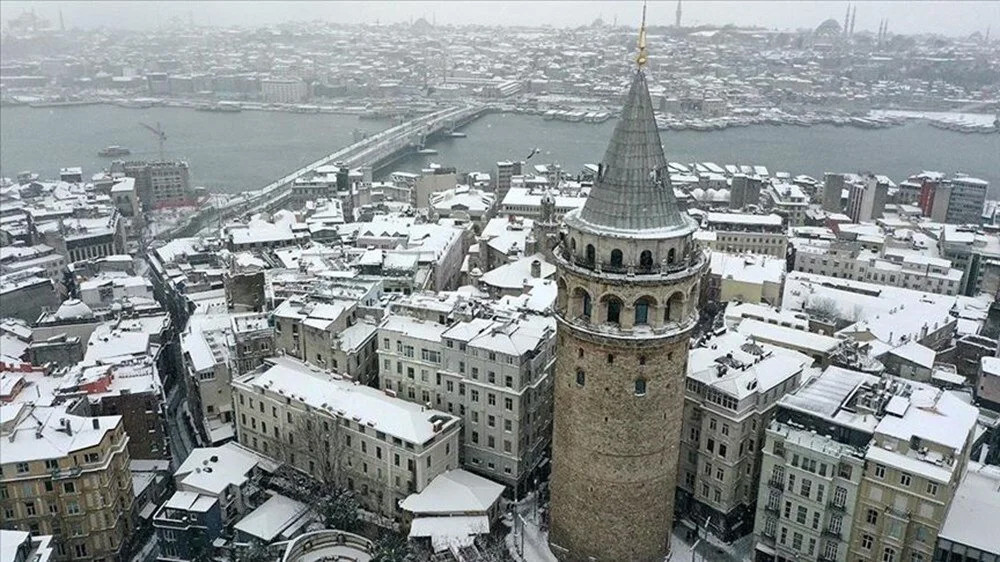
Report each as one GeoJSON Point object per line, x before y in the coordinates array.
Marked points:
{"type": "Point", "coordinates": [495, 373]}
{"type": "Point", "coordinates": [336, 431]}
{"type": "Point", "coordinates": [627, 277]}
{"type": "Point", "coordinates": [68, 476]}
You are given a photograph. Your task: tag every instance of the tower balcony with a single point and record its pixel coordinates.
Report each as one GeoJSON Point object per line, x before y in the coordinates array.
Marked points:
{"type": "Point", "coordinates": [642, 272]}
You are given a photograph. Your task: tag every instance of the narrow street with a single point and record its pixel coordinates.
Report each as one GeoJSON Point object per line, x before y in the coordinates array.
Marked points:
{"type": "Point", "coordinates": [181, 442]}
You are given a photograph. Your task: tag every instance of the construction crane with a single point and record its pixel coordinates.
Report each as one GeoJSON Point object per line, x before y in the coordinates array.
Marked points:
{"type": "Point", "coordinates": [161, 135]}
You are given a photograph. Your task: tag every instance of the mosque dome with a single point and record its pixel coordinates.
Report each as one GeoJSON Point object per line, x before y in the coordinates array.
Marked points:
{"type": "Point", "coordinates": [74, 309]}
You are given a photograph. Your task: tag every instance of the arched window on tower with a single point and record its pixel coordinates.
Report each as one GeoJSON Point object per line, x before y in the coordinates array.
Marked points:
{"type": "Point", "coordinates": [675, 308]}
{"type": "Point", "coordinates": [581, 305]}
{"type": "Point", "coordinates": [646, 260]}
{"type": "Point", "coordinates": [642, 307]}
{"type": "Point", "coordinates": [616, 258]}
{"type": "Point", "coordinates": [671, 255]}
{"type": "Point", "coordinates": [591, 254]}
{"type": "Point", "coordinates": [614, 305]}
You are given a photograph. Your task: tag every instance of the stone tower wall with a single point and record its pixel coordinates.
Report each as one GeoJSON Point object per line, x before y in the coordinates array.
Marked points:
{"type": "Point", "coordinates": [615, 450]}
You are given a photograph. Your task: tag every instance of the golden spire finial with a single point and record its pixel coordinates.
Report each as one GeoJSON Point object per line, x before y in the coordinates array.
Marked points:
{"type": "Point", "coordinates": [640, 59]}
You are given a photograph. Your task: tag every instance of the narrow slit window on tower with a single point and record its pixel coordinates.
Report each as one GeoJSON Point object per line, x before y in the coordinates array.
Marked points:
{"type": "Point", "coordinates": [581, 378]}
{"type": "Point", "coordinates": [671, 255]}
{"type": "Point", "coordinates": [611, 358]}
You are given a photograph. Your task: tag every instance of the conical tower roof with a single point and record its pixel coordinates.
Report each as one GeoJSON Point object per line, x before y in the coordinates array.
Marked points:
{"type": "Point", "coordinates": [632, 191]}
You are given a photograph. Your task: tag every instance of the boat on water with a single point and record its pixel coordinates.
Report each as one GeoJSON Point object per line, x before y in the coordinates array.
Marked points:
{"type": "Point", "coordinates": [427, 151]}
{"type": "Point", "coordinates": [220, 108]}
{"type": "Point", "coordinates": [113, 151]}
{"type": "Point", "coordinates": [457, 135]}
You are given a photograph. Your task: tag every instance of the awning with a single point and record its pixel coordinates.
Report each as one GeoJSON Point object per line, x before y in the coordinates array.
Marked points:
{"type": "Point", "coordinates": [446, 532]}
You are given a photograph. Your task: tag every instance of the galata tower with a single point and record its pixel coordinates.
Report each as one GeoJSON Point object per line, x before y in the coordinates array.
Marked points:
{"type": "Point", "coordinates": [628, 277]}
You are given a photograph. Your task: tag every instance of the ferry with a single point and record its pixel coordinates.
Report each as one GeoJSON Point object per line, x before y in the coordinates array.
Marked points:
{"type": "Point", "coordinates": [113, 151]}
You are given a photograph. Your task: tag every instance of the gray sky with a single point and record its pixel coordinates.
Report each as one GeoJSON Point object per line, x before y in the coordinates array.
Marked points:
{"type": "Point", "coordinates": [946, 17]}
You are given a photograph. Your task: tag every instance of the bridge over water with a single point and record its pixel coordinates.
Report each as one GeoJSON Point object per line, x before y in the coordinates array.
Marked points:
{"type": "Point", "coordinates": [373, 151]}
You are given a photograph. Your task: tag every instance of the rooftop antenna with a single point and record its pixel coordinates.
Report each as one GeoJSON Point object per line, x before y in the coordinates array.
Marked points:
{"type": "Point", "coordinates": [161, 135]}
{"type": "Point", "coordinates": [641, 58]}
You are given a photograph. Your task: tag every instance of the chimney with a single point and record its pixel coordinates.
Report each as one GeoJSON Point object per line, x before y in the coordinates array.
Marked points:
{"type": "Point", "coordinates": [96, 422]}
{"type": "Point", "coordinates": [536, 269]}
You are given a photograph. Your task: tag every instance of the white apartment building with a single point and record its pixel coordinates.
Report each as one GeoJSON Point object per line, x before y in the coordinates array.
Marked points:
{"type": "Point", "coordinates": [789, 201]}
{"type": "Point", "coordinates": [732, 386]}
{"type": "Point", "coordinates": [215, 348]}
{"type": "Point", "coordinates": [337, 430]}
{"type": "Point", "coordinates": [495, 373]}
{"type": "Point", "coordinates": [327, 334]}
{"type": "Point", "coordinates": [283, 90]}
{"type": "Point", "coordinates": [805, 509]}
{"type": "Point", "coordinates": [860, 468]}
{"type": "Point", "coordinates": [847, 260]}
{"type": "Point", "coordinates": [811, 469]}
{"type": "Point", "coordinates": [738, 233]}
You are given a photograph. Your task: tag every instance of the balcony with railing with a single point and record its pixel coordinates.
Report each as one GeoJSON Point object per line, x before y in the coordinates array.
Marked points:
{"type": "Point", "coordinates": [650, 269]}
{"type": "Point", "coordinates": [776, 484]}
{"type": "Point", "coordinates": [831, 533]}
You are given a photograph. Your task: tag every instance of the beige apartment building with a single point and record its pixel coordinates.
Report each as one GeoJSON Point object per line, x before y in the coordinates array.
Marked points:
{"type": "Point", "coordinates": [494, 373]}
{"type": "Point", "coordinates": [913, 465]}
{"type": "Point", "coordinates": [337, 430]}
{"type": "Point", "coordinates": [67, 476]}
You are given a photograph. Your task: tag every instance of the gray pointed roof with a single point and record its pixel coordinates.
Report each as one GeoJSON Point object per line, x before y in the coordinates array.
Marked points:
{"type": "Point", "coordinates": [632, 191]}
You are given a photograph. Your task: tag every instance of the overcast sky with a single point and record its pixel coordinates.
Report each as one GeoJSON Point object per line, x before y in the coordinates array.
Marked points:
{"type": "Point", "coordinates": [946, 17]}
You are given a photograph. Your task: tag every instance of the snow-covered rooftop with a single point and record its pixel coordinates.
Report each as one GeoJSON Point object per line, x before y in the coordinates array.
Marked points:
{"type": "Point", "coordinates": [454, 492]}
{"type": "Point", "coordinates": [328, 392]}
{"type": "Point", "coordinates": [975, 510]}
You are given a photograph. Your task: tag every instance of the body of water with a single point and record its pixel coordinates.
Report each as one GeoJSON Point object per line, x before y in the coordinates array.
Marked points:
{"type": "Point", "coordinates": [897, 152]}
{"type": "Point", "coordinates": [228, 152]}
{"type": "Point", "coordinates": [235, 151]}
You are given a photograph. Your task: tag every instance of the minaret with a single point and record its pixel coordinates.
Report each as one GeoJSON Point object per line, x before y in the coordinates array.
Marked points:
{"type": "Point", "coordinates": [847, 20]}
{"type": "Point", "coordinates": [677, 16]}
{"type": "Point", "coordinates": [854, 15]}
{"type": "Point", "coordinates": [628, 278]}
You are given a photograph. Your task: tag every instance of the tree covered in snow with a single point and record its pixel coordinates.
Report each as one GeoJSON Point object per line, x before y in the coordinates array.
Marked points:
{"type": "Point", "coordinates": [338, 507]}
{"type": "Point", "coordinates": [392, 547]}
{"type": "Point", "coordinates": [254, 551]}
